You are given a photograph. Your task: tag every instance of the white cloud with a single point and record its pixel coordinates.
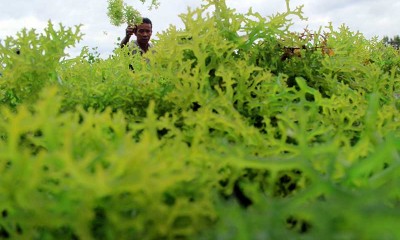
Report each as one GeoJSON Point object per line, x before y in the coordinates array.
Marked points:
{"type": "Point", "coordinates": [9, 26]}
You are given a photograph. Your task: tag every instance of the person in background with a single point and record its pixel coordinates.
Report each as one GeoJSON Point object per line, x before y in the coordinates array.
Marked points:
{"type": "Point", "coordinates": [143, 33]}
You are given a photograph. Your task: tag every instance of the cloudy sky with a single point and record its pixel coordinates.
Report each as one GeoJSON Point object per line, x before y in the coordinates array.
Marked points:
{"type": "Point", "coordinates": [370, 17]}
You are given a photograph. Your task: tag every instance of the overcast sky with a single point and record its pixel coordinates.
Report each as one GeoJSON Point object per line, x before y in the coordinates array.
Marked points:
{"type": "Point", "coordinates": [370, 17]}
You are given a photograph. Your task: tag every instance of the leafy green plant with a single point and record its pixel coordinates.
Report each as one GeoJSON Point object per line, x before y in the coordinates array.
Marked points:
{"type": "Point", "coordinates": [222, 135]}
{"type": "Point", "coordinates": [120, 13]}
{"type": "Point", "coordinates": [30, 62]}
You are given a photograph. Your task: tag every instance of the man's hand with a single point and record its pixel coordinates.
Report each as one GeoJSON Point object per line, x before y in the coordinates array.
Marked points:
{"type": "Point", "coordinates": [129, 31]}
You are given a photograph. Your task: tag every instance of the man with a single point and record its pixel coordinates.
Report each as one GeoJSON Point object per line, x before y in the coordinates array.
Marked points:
{"type": "Point", "coordinates": [143, 34]}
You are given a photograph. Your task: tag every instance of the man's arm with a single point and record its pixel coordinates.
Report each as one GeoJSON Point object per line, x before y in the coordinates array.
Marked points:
{"type": "Point", "coordinates": [125, 40]}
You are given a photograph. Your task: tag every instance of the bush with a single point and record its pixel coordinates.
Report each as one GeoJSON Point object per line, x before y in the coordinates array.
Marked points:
{"type": "Point", "coordinates": [224, 131]}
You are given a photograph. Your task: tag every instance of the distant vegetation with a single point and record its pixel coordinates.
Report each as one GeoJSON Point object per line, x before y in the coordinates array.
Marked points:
{"type": "Point", "coordinates": [393, 41]}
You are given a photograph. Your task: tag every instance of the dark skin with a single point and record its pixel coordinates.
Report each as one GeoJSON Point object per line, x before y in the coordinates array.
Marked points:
{"type": "Point", "coordinates": [143, 34]}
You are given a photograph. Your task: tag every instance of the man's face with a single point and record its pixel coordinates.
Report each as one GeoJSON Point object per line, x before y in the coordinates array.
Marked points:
{"type": "Point", "coordinates": [143, 33]}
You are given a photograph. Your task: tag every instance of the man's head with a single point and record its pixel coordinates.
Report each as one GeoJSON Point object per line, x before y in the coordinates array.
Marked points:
{"type": "Point", "coordinates": [143, 31]}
